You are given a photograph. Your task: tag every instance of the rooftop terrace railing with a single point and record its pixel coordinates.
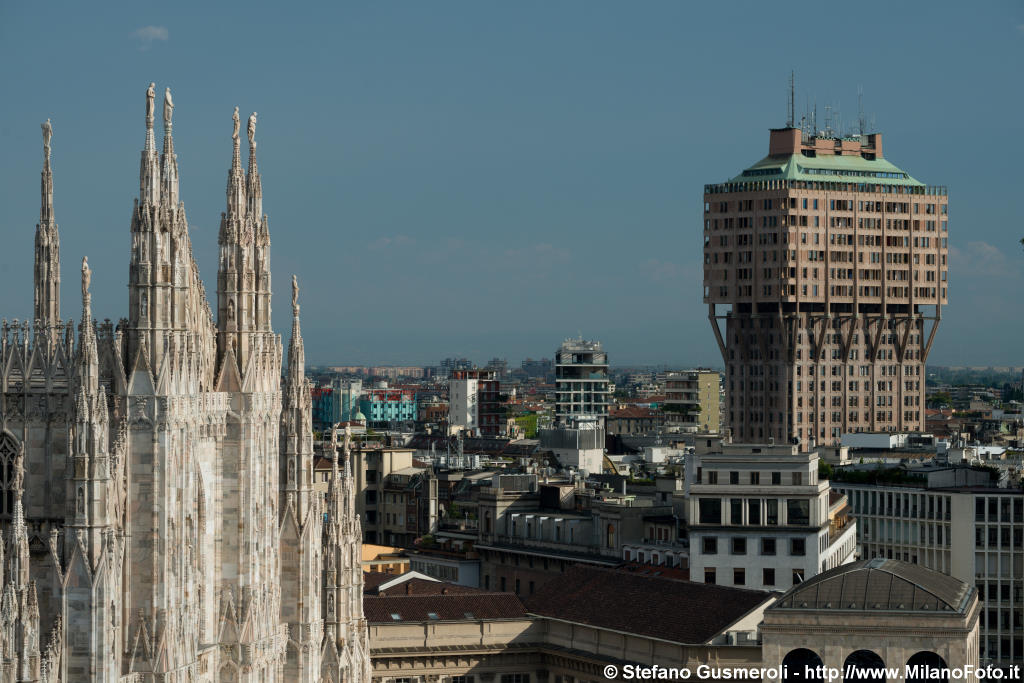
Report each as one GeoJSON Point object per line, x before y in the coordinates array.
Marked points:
{"type": "Point", "coordinates": [767, 185]}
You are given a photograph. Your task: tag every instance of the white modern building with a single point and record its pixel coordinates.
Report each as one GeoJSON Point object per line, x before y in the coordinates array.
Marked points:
{"type": "Point", "coordinates": [578, 443]}
{"type": "Point", "coordinates": [581, 380]}
{"type": "Point", "coordinates": [759, 517]}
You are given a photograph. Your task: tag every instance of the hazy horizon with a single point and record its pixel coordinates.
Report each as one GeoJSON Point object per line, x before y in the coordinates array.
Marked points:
{"type": "Point", "coordinates": [485, 180]}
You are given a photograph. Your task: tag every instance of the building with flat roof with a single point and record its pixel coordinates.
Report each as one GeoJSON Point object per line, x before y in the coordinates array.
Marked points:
{"type": "Point", "coordinates": [692, 400]}
{"type": "Point", "coordinates": [581, 380]}
{"type": "Point", "coordinates": [474, 402]}
{"type": "Point", "coordinates": [760, 517]}
{"type": "Point", "coordinates": [975, 533]}
{"type": "Point", "coordinates": [825, 274]}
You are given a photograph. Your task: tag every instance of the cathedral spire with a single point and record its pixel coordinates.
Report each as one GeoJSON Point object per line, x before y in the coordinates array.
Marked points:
{"type": "Point", "coordinates": [46, 278]}
{"type": "Point", "coordinates": [255, 186]}
{"type": "Point", "coordinates": [18, 570]}
{"type": "Point", "coordinates": [169, 160]}
{"type": "Point", "coordinates": [296, 351]}
{"type": "Point", "coordinates": [149, 172]}
{"type": "Point", "coordinates": [88, 360]}
{"type": "Point", "coordinates": [236, 181]}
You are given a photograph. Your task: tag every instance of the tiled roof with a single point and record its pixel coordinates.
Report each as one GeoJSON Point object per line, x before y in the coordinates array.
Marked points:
{"type": "Point", "coordinates": [450, 607]}
{"type": "Point", "coordinates": [655, 606]}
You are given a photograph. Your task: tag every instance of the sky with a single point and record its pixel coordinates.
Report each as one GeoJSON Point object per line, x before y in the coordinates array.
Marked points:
{"type": "Point", "coordinates": [485, 179]}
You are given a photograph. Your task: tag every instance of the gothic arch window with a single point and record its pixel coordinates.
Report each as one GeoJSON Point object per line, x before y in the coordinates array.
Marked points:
{"type": "Point", "coordinates": [8, 454]}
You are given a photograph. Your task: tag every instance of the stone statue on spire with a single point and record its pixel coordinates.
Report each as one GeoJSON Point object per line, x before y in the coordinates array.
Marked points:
{"type": "Point", "coordinates": [150, 96]}
{"type": "Point", "coordinates": [252, 130]}
{"type": "Point", "coordinates": [234, 134]}
{"type": "Point", "coordinates": [18, 485]}
{"type": "Point", "coordinates": [86, 276]}
{"type": "Point", "coordinates": [168, 107]}
{"type": "Point", "coordinates": [295, 296]}
{"type": "Point", "coordinates": [47, 134]}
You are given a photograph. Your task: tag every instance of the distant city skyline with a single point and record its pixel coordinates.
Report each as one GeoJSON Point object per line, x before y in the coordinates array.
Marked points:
{"type": "Point", "coordinates": [487, 180]}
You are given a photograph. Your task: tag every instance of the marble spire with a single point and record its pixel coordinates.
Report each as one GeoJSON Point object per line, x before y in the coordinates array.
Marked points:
{"type": "Point", "coordinates": [169, 160]}
{"type": "Point", "coordinates": [46, 275]}
{"type": "Point", "coordinates": [149, 171]}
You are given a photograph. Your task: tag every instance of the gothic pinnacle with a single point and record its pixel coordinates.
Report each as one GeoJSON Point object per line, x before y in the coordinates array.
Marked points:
{"type": "Point", "coordinates": [46, 210]}
{"type": "Point", "coordinates": [47, 245]}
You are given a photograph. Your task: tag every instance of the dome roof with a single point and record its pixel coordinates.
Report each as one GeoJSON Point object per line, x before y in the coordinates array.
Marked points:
{"type": "Point", "coordinates": [880, 584]}
{"type": "Point", "coordinates": [359, 417]}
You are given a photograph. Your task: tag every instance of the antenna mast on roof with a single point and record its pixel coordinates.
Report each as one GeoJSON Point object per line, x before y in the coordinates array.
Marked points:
{"type": "Point", "coordinates": [860, 108]}
{"type": "Point", "coordinates": [790, 115]}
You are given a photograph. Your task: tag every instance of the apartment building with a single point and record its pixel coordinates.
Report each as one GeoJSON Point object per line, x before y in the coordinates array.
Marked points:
{"type": "Point", "coordinates": [371, 467]}
{"type": "Point", "coordinates": [474, 402]}
{"type": "Point", "coordinates": [760, 517]}
{"type": "Point", "coordinates": [973, 533]}
{"type": "Point", "coordinates": [825, 273]}
{"type": "Point", "coordinates": [692, 400]}
{"type": "Point", "coordinates": [581, 380]}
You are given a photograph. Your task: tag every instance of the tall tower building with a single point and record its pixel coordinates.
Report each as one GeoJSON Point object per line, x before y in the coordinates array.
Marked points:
{"type": "Point", "coordinates": [825, 274]}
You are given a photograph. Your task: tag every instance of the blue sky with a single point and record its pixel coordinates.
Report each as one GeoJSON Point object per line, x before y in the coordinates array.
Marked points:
{"type": "Point", "coordinates": [485, 179]}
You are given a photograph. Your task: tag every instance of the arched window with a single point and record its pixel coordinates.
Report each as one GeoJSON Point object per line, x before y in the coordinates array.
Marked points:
{"type": "Point", "coordinates": [863, 665]}
{"type": "Point", "coordinates": [8, 454]}
{"type": "Point", "coordinates": [923, 667]}
{"type": "Point", "coordinates": [798, 663]}
{"type": "Point", "coordinates": [610, 536]}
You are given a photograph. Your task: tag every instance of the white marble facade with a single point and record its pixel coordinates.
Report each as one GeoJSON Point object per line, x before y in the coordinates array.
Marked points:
{"type": "Point", "coordinates": [156, 475]}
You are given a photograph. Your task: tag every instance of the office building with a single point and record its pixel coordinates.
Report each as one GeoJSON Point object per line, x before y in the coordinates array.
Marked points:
{"type": "Point", "coordinates": [825, 273]}
{"type": "Point", "coordinates": [581, 380]}
{"type": "Point", "coordinates": [760, 517]}
{"type": "Point", "coordinates": [386, 405]}
{"type": "Point", "coordinates": [975, 533]}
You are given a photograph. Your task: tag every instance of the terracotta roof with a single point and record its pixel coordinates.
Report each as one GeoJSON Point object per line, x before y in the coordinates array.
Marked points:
{"type": "Point", "coordinates": [373, 579]}
{"type": "Point", "coordinates": [655, 606]}
{"type": "Point", "coordinates": [451, 607]}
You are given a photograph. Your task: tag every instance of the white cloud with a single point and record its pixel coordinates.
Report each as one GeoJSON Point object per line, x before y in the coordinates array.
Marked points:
{"type": "Point", "coordinates": [396, 241]}
{"type": "Point", "coordinates": [147, 35]}
{"type": "Point", "coordinates": [667, 271]}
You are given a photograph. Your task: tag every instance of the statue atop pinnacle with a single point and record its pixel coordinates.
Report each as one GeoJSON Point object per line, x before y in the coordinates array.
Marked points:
{"type": "Point", "coordinates": [47, 134]}
{"type": "Point", "coordinates": [168, 107]}
{"type": "Point", "coordinates": [150, 96]}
